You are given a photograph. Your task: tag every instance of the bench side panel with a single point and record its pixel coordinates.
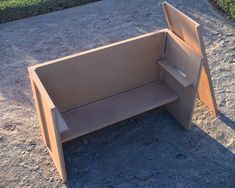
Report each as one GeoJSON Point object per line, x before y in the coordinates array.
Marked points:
{"type": "Point", "coordinates": [181, 56]}
{"type": "Point", "coordinates": [48, 121]}
{"type": "Point", "coordinates": [190, 32]}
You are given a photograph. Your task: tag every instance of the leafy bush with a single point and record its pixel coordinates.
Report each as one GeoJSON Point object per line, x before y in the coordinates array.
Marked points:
{"type": "Point", "coordinates": [228, 6]}
{"type": "Point", "coordinates": [16, 9]}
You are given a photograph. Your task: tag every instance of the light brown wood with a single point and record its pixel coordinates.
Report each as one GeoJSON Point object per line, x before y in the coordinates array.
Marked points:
{"type": "Point", "coordinates": [39, 109]}
{"type": "Point", "coordinates": [116, 108]}
{"type": "Point", "coordinates": [115, 69]}
{"type": "Point", "coordinates": [62, 126]}
{"type": "Point", "coordinates": [205, 94]}
{"type": "Point", "coordinates": [181, 25]}
{"type": "Point", "coordinates": [190, 32]}
{"type": "Point", "coordinates": [183, 57]}
{"type": "Point", "coordinates": [49, 128]}
{"type": "Point", "coordinates": [175, 72]}
{"type": "Point", "coordinates": [205, 88]}
{"type": "Point", "coordinates": [84, 92]}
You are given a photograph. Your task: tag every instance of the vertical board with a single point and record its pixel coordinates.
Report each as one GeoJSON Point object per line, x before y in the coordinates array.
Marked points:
{"type": "Point", "coordinates": [205, 88]}
{"type": "Point", "coordinates": [114, 68]}
{"type": "Point", "coordinates": [189, 31]}
{"type": "Point", "coordinates": [47, 114]}
{"type": "Point", "coordinates": [180, 55]}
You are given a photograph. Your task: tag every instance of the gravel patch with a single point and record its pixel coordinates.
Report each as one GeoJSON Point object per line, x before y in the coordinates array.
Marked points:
{"type": "Point", "coordinates": [150, 150]}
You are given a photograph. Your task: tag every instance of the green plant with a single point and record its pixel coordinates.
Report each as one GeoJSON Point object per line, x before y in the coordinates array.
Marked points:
{"type": "Point", "coordinates": [228, 6]}
{"type": "Point", "coordinates": [16, 9]}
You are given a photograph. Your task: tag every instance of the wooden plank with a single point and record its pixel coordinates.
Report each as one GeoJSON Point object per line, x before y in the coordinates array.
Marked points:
{"type": "Point", "coordinates": [39, 109]}
{"type": "Point", "coordinates": [62, 126]}
{"type": "Point", "coordinates": [40, 87]}
{"type": "Point", "coordinates": [205, 91]}
{"type": "Point", "coordinates": [175, 72]}
{"type": "Point", "coordinates": [47, 112]}
{"type": "Point", "coordinates": [182, 109]}
{"type": "Point", "coordinates": [116, 108]}
{"type": "Point", "coordinates": [205, 88]}
{"type": "Point", "coordinates": [57, 150]}
{"type": "Point", "coordinates": [74, 56]}
{"type": "Point", "coordinates": [76, 82]}
{"type": "Point", "coordinates": [181, 25]}
{"type": "Point", "coordinates": [182, 56]}
{"type": "Point", "coordinates": [190, 32]}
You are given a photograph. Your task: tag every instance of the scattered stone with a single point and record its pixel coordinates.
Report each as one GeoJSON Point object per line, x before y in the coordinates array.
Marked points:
{"type": "Point", "coordinates": [26, 47]}
{"type": "Point", "coordinates": [229, 34]}
{"type": "Point", "coordinates": [149, 140]}
{"type": "Point", "coordinates": [143, 174]}
{"type": "Point", "coordinates": [32, 143]}
{"type": "Point", "coordinates": [9, 127]}
{"type": "Point", "coordinates": [180, 156]}
{"type": "Point", "coordinates": [2, 139]}
{"type": "Point", "coordinates": [36, 168]}
{"type": "Point", "coordinates": [85, 141]}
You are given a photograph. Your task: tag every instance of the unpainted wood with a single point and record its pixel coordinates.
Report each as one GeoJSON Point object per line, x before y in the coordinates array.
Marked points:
{"type": "Point", "coordinates": [190, 32]}
{"type": "Point", "coordinates": [179, 54]}
{"type": "Point", "coordinates": [182, 56]}
{"type": "Point", "coordinates": [175, 72]}
{"type": "Point", "coordinates": [87, 91]}
{"type": "Point", "coordinates": [57, 150]}
{"type": "Point", "coordinates": [92, 76]}
{"type": "Point", "coordinates": [62, 126]}
{"type": "Point", "coordinates": [47, 112]}
{"type": "Point", "coordinates": [39, 110]}
{"type": "Point", "coordinates": [116, 108]}
{"type": "Point", "coordinates": [182, 25]}
{"type": "Point", "coordinates": [205, 88]}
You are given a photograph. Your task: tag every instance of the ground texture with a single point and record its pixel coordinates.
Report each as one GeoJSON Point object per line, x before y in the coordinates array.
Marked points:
{"type": "Point", "coordinates": [17, 9]}
{"type": "Point", "coordinates": [150, 150]}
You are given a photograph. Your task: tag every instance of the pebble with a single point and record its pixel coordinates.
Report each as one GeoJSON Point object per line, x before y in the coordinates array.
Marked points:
{"type": "Point", "coordinates": [85, 141]}
{"type": "Point", "coordinates": [36, 168]}
{"type": "Point", "coordinates": [180, 156]}
{"type": "Point", "coordinates": [9, 127]}
{"type": "Point", "coordinates": [2, 139]}
{"type": "Point", "coordinates": [143, 174]}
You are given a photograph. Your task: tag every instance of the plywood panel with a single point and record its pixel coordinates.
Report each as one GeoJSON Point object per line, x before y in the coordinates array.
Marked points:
{"type": "Point", "coordinates": [119, 107]}
{"type": "Point", "coordinates": [47, 113]}
{"type": "Point", "coordinates": [181, 109]}
{"type": "Point", "coordinates": [175, 72]}
{"type": "Point", "coordinates": [61, 124]}
{"type": "Point", "coordinates": [205, 88]}
{"type": "Point", "coordinates": [104, 72]}
{"type": "Point", "coordinates": [182, 25]}
{"type": "Point", "coordinates": [190, 32]}
{"type": "Point", "coordinates": [40, 113]}
{"type": "Point", "coordinates": [183, 57]}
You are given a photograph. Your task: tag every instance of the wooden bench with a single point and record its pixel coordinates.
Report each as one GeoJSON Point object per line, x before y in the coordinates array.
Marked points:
{"type": "Point", "coordinates": [87, 91]}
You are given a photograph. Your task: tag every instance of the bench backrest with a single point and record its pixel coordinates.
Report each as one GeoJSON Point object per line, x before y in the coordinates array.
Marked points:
{"type": "Point", "coordinates": [91, 76]}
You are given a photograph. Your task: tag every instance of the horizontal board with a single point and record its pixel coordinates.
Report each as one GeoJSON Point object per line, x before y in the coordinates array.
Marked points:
{"type": "Point", "coordinates": [175, 72]}
{"type": "Point", "coordinates": [116, 108]}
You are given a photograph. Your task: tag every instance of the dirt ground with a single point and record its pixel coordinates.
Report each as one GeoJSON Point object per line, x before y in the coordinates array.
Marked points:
{"type": "Point", "coordinates": [150, 150]}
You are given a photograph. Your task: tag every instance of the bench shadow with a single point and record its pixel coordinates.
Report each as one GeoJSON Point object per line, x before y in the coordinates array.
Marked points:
{"type": "Point", "coordinates": [226, 120]}
{"type": "Point", "coordinates": [149, 150]}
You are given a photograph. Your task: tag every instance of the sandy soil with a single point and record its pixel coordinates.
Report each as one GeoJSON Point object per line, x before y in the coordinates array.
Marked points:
{"type": "Point", "coordinates": [150, 150]}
